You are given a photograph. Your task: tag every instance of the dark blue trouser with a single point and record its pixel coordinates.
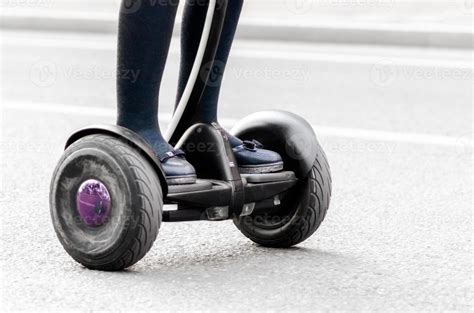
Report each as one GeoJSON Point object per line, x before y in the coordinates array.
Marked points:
{"type": "Point", "coordinates": [145, 30]}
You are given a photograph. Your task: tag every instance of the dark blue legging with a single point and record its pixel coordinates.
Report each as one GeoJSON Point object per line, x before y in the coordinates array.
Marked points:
{"type": "Point", "coordinates": [145, 30]}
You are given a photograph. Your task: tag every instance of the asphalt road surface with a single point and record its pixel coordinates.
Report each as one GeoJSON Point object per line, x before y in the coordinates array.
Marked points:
{"type": "Point", "coordinates": [397, 128]}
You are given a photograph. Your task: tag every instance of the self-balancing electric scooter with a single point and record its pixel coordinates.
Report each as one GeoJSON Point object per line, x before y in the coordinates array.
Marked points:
{"type": "Point", "coordinates": [108, 189]}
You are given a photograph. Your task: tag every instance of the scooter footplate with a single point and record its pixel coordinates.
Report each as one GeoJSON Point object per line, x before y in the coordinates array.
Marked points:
{"type": "Point", "coordinates": [198, 186]}
{"type": "Point", "coordinates": [270, 177]}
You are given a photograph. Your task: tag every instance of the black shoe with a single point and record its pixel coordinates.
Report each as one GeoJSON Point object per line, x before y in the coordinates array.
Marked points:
{"type": "Point", "coordinates": [252, 159]}
{"type": "Point", "coordinates": [178, 171]}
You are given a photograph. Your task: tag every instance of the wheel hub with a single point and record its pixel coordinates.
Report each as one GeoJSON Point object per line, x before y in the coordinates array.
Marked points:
{"type": "Point", "coordinates": [93, 203]}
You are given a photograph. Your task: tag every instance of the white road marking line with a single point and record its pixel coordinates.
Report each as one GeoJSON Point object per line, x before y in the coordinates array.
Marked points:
{"type": "Point", "coordinates": [70, 42]}
{"type": "Point", "coordinates": [344, 58]}
{"type": "Point", "coordinates": [57, 108]}
{"type": "Point", "coordinates": [350, 58]}
{"type": "Point", "coordinates": [341, 132]}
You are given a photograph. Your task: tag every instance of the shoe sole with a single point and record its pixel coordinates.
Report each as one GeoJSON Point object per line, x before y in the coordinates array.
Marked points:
{"type": "Point", "coordinates": [181, 180]}
{"type": "Point", "coordinates": [261, 169]}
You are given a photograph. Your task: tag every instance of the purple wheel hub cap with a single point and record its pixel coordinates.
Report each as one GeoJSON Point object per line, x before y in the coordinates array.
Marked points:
{"type": "Point", "coordinates": [93, 203]}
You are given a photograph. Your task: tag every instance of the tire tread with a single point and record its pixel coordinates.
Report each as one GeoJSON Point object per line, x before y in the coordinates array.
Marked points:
{"type": "Point", "coordinates": [149, 222]}
{"type": "Point", "coordinates": [320, 190]}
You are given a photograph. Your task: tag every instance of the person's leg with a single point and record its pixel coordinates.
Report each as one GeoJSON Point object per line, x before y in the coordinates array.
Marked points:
{"type": "Point", "coordinates": [143, 45]}
{"type": "Point", "coordinates": [192, 24]}
{"type": "Point", "coordinates": [249, 154]}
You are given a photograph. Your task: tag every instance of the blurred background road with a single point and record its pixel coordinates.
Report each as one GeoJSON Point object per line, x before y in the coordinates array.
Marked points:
{"type": "Point", "coordinates": [387, 86]}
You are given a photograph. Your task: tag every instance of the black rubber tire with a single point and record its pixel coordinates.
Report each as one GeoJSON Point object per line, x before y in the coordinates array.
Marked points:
{"type": "Point", "coordinates": [136, 203]}
{"type": "Point", "coordinates": [300, 214]}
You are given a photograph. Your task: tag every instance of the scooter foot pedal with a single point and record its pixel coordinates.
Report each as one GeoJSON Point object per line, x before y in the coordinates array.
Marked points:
{"type": "Point", "coordinates": [269, 178]}
{"type": "Point", "coordinates": [200, 185]}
